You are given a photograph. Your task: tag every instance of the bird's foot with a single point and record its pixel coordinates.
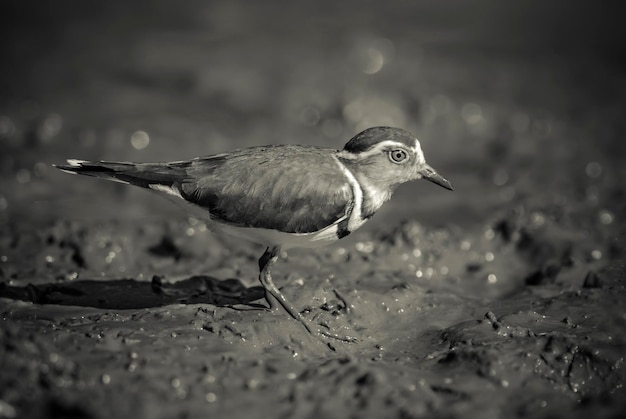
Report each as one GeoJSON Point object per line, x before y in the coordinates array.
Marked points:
{"type": "Point", "coordinates": [276, 300]}
{"type": "Point", "coordinates": [313, 329]}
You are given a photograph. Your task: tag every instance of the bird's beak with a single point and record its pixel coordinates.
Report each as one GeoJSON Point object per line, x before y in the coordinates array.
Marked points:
{"type": "Point", "coordinates": [431, 175]}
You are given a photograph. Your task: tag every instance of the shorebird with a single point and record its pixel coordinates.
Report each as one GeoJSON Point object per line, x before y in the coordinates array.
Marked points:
{"type": "Point", "coordinates": [282, 196]}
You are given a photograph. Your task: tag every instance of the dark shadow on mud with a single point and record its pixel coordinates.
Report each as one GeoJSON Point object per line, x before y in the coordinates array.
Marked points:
{"type": "Point", "coordinates": [124, 294]}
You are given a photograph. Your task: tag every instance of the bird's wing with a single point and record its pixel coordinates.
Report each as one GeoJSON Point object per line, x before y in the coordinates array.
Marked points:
{"type": "Point", "coordinates": [287, 188]}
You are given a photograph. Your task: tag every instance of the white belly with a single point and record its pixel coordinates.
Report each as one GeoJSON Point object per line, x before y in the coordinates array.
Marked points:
{"type": "Point", "coordinates": [268, 237]}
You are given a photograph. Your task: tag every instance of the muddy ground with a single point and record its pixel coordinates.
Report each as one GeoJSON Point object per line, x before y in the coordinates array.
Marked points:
{"type": "Point", "coordinates": [504, 298]}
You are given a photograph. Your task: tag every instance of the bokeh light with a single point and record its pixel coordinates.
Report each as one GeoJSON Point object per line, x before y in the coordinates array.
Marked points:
{"type": "Point", "coordinates": [593, 169]}
{"type": "Point", "coordinates": [374, 55]}
{"type": "Point", "coordinates": [140, 140]}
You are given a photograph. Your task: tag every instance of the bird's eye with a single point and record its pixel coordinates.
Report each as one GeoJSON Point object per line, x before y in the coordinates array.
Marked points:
{"type": "Point", "coordinates": [397, 156]}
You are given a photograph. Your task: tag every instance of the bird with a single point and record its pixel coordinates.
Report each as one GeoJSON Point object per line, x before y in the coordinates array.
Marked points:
{"type": "Point", "coordinates": [282, 196]}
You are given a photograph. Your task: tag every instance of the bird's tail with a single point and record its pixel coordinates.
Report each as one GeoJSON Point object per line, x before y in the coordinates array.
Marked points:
{"type": "Point", "coordinates": [146, 175]}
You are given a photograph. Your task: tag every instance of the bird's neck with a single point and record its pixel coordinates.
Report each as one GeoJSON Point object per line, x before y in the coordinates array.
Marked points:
{"type": "Point", "coordinates": [374, 196]}
{"type": "Point", "coordinates": [375, 192]}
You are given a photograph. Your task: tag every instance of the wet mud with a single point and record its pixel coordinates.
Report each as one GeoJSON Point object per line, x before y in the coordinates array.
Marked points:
{"type": "Point", "coordinates": [504, 298]}
{"type": "Point", "coordinates": [512, 321]}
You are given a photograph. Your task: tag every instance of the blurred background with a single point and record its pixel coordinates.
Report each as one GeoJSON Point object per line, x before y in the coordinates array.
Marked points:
{"type": "Point", "coordinates": [512, 101]}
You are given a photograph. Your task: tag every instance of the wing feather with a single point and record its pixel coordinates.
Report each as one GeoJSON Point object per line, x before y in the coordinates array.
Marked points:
{"type": "Point", "coordinates": [294, 189]}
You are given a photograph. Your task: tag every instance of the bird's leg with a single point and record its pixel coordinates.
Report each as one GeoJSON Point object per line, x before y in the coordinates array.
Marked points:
{"type": "Point", "coordinates": [272, 293]}
{"type": "Point", "coordinates": [267, 259]}
{"type": "Point", "coordinates": [274, 297]}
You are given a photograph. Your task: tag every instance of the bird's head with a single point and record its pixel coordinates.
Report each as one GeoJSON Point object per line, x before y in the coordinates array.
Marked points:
{"type": "Point", "coordinates": [386, 157]}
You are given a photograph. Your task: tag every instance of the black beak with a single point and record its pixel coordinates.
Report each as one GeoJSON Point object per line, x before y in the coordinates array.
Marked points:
{"type": "Point", "coordinates": [431, 175]}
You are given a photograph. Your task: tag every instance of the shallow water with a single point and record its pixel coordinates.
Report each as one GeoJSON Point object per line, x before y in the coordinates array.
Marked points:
{"type": "Point", "coordinates": [501, 299]}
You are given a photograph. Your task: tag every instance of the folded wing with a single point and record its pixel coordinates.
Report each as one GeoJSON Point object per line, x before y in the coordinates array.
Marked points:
{"type": "Point", "coordinates": [288, 188]}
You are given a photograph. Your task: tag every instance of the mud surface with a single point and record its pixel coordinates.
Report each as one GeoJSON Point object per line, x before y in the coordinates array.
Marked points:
{"type": "Point", "coordinates": [504, 298]}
